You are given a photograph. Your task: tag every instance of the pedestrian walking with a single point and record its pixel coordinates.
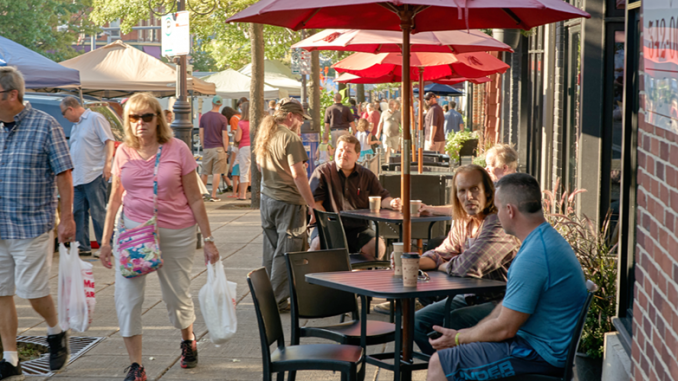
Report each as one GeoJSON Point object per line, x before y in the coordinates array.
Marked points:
{"type": "Point", "coordinates": [389, 128]}
{"type": "Point", "coordinates": [434, 124]}
{"type": "Point", "coordinates": [92, 145]}
{"type": "Point", "coordinates": [35, 163]}
{"type": "Point", "coordinates": [365, 138]}
{"type": "Point", "coordinates": [338, 120]}
{"type": "Point", "coordinates": [151, 149]}
{"type": "Point", "coordinates": [354, 108]}
{"type": "Point", "coordinates": [453, 120]}
{"type": "Point", "coordinates": [286, 197]}
{"type": "Point", "coordinates": [214, 140]}
{"type": "Point", "coordinates": [242, 137]}
{"type": "Point", "coordinates": [233, 118]}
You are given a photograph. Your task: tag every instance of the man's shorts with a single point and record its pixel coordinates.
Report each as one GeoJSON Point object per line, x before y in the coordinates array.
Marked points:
{"type": "Point", "coordinates": [392, 142]}
{"type": "Point", "coordinates": [214, 161]}
{"type": "Point", "coordinates": [490, 361]}
{"type": "Point", "coordinates": [357, 238]}
{"type": "Point", "coordinates": [25, 266]}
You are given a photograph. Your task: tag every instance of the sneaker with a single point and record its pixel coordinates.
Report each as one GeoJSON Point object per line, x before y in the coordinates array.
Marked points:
{"type": "Point", "coordinates": [95, 254]}
{"type": "Point", "coordinates": [284, 307]}
{"type": "Point", "coordinates": [85, 252]}
{"type": "Point", "coordinates": [10, 372]}
{"type": "Point", "coordinates": [382, 308]}
{"type": "Point", "coordinates": [189, 354]}
{"type": "Point", "coordinates": [213, 199]}
{"type": "Point", "coordinates": [135, 372]}
{"type": "Point", "coordinates": [58, 351]}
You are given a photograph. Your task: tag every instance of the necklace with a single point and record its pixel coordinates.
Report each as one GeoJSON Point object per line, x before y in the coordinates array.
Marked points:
{"type": "Point", "coordinates": [147, 152]}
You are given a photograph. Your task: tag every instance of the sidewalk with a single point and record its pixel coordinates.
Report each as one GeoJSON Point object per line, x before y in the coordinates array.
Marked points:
{"type": "Point", "coordinates": [237, 230]}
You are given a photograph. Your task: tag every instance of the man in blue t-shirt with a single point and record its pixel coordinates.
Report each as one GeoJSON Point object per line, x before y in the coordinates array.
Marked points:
{"type": "Point", "coordinates": [530, 330]}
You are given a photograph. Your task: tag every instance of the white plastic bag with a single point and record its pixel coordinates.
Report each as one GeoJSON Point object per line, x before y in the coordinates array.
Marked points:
{"type": "Point", "coordinates": [76, 290]}
{"type": "Point", "coordinates": [217, 303]}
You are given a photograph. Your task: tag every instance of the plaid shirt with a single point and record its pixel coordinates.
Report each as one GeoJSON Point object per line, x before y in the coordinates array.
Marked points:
{"type": "Point", "coordinates": [487, 256]}
{"type": "Point", "coordinates": [31, 154]}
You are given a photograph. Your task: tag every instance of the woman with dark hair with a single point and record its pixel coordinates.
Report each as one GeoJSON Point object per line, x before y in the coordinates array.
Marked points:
{"type": "Point", "coordinates": [233, 117]}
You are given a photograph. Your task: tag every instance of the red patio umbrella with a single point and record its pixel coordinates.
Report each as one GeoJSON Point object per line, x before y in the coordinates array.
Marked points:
{"type": "Point", "coordinates": [386, 41]}
{"type": "Point", "coordinates": [434, 65]}
{"type": "Point", "coordinates": [352, 78]}
{"type": "Point", "coordinates": [409, 16]}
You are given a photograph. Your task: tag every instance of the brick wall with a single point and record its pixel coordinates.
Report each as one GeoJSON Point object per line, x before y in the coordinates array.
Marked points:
{"type": "Point", "coordinates": [655, 309]}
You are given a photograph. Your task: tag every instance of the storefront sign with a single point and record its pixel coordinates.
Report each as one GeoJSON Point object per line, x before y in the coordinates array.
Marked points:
{"type": "Point", "coordinates": [176, 36]}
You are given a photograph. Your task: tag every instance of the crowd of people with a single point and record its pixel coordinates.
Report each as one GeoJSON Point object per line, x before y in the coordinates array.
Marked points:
{"type": "Point", "coordinates": [498, 230]}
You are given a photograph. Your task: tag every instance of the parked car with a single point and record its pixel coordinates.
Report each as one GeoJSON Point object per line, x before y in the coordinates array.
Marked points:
{"type": "Point", "coordinates": [50, 103]}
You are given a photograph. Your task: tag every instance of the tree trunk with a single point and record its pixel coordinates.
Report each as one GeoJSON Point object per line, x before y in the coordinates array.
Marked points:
{"type": "Point", "coordinates": [360, 90]}
{"type": "Point", "coordinates": [256, 104]}
{"type": "Point", "coordinates": [314, 100]}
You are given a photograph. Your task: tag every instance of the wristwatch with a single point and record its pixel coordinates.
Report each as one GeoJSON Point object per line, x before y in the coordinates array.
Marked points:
{"type": "Point", "coordinates": [208, 239]}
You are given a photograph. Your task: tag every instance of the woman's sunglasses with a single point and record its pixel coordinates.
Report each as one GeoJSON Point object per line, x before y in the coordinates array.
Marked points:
{"type": "Point", "coordinates": [146, 117]}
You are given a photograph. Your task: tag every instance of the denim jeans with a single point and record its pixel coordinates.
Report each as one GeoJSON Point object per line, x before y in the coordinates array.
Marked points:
{"type": "Point", "coordinates": [462, 316]}
{"type": "Point", "coordinates": [89, 200]}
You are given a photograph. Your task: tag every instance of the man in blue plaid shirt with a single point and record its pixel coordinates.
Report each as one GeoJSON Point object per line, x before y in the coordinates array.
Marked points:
{"type": "Point", "coordinates": [34, 162]}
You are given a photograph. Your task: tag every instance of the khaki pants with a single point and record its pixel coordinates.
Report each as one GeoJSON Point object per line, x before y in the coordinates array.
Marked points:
{"type": "Point", "coordinates": [436, 146]}
{"type": "Point", "coordinates": [178, 249]}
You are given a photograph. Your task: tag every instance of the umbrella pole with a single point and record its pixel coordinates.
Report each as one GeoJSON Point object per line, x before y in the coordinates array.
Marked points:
{"type": "Point", "coordinates": [420, 167]}
{"type": "Point", "coordinates": [406, 25]}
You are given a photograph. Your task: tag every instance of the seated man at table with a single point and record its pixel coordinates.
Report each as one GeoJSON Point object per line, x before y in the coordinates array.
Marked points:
{"type": "Point", "coordinates": [476, 246]}
{"type": "Point", "coordinates": [343, 184]}
{"type": "Point", "coordinates": [530, 330]}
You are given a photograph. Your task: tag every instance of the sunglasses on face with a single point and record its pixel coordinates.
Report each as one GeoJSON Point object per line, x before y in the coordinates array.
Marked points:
{"type": "Point", "coordinates": [146, 117]}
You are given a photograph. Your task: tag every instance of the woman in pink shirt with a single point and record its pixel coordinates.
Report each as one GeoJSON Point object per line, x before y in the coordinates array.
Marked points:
{"type": "Point", "coordinates": [180, 207]}
{"type": "Point", "coordinates": [242, 137]}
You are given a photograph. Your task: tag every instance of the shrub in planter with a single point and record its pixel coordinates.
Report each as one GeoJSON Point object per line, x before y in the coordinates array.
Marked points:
{"type": "Point", "coordinates": [455, 142]}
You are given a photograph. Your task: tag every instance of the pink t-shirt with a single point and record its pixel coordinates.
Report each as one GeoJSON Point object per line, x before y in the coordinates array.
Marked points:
{"type": "Point", "coordinates": [245, 138]}
{"type": "Point", "coordinates": [136, 175]}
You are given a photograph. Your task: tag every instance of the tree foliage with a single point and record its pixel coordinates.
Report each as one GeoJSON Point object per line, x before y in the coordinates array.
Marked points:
{"type": "Point", "coordinates": [48, 27]}
{"type": "Point", "coordinates": [227, 44]}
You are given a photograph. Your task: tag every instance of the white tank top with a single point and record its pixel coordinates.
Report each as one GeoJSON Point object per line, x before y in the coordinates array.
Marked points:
{"type": "Point", "coordinates": [363, 139]}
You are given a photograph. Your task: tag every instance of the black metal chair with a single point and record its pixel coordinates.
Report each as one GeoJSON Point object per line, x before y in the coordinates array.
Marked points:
{"type": "Point", "coordinates": [347, 359]}
{"type": "Point", "coordinates": [310, 301]}
{"type": "Point", "coordinates": [571, 350]}
{"type": "Point", "coordinates": [332, 236]}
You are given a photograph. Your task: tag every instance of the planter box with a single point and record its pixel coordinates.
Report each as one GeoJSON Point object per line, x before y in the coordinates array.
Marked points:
{"type": "Point", "coordinates": [586, 368]}
{"type": "Point", "coordinates": [510, 37]}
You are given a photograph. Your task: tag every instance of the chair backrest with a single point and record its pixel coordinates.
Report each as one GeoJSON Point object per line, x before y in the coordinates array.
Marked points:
{"type": "Point", "coordinates": [330, 230]}
{"type": "Point", "coordinates": [313, 301]}
{"type": "Point", "coordinates": [576, 336]}
{"type": "Point", "coordinates": [268, 317]}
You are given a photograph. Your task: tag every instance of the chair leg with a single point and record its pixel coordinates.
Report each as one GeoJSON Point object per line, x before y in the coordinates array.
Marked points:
{"type": "Point", "coordinates": [292, 375]}
{"type": "Point", "coordinates": [281, 376]}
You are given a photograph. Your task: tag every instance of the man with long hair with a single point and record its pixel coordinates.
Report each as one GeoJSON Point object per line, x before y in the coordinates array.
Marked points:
{"type": "Point", "coordinates": [476, 247]}
{"type": "Point", "coordinates": [286, 197]}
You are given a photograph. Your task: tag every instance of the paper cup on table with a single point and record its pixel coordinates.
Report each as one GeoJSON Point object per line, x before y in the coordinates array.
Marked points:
{"type": "Point", "coordinates": [410, 269]}
{"type": "Point", "coordinates": [414, 208]}
{"type": "Point", "coordinates": [397, 259]}
{"type": "Point", "coordinates": [375, 204]}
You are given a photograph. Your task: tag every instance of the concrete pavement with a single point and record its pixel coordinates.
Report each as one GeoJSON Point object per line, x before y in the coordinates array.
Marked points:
{"type": "Point", "coordinates": [237, 230]}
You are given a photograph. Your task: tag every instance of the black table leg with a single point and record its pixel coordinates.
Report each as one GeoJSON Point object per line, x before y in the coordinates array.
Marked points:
{"type": "Point", "coordinates": [376, 241]}
{"type": "Point", "coordinates": [408, 344]}
{"type": "Point", "coordinates": [398, 345]}
{"type": "Point", "coordinates": [363, 329]}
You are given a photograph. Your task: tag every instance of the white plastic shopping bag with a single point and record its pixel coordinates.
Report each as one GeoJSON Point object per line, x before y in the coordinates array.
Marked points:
{"type": "Point", "coordinates": [217, 303]}
{"type": "Point", "coordinates": [76, 290]}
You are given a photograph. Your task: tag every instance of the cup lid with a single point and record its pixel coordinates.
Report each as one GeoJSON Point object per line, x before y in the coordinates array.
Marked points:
{"type": "Point", "coordinates": [410, 256]}
{"type": "Point", "coordinates": [398, 243]}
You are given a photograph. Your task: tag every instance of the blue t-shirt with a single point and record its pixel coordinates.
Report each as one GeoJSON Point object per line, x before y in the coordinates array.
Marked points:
{"type": "Point", "coordinates": [546, 281]}
{"type": "Point", "coordinates": [453, 121]}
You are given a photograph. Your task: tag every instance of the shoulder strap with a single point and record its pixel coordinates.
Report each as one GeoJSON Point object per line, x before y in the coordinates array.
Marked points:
{"type": "Point", "coordinates": [155, 186]}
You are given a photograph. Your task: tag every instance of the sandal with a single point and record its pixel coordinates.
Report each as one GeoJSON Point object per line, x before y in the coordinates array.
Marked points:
{"type": "Point", "coordinates": [212, 199]}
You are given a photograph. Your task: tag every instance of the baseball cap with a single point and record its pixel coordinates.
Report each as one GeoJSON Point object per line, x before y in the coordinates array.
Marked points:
{"type": "Point", "coordinates": [293, 105]}
{"type": "Point", "coordinates": [430, 95]}
{"type": "Point", "coordinates": [216, 100]}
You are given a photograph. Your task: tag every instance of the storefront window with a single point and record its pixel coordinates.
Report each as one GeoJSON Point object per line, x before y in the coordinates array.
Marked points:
{"type": "Point", "coordinates": [617, 127]}
{"type": "Point", "coordinates": [574, 99]}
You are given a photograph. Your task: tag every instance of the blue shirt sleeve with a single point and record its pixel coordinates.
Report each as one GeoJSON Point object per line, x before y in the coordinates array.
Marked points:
{"type": "Point", "coordinates": [527, 278]}
{"type": "Point", "coordinates": [103, 128]}
{"type": "Point", "coordinates": [57, 149]}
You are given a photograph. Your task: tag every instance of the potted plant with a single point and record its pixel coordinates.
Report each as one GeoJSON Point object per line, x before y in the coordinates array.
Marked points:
{"type": "Point", "coordinates": [596, 250]}
{"type": "Point", "coordinates": [459, 144]}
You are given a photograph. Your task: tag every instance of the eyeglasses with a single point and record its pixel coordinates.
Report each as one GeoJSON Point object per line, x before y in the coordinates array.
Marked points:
{"type": "Point", "coordinates": [63, 112]}
{"type": "Point", "coordinates": [423, 275]}
{"type": "Point", "coordinates": [5, 91]}
{"type": "Point", "coordinates": [146, 117]}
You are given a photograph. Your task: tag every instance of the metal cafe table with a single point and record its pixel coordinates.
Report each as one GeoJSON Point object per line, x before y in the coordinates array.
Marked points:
{"type": "Point", "coordinates": [383, 284]}
{"type": "Point", "coordinates": [394, 217]}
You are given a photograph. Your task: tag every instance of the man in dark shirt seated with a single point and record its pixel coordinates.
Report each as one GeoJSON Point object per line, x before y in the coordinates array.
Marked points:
{"type": "Point", "coordinates": [343, 184]}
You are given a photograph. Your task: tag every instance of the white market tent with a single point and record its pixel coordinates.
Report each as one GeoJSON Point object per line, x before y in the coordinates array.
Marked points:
{"type": "Point", "coordinates": [118, 70]}
{"type": "Point", "coordinates": [231, 84]}
{"type": "Point", "coordinates": [276, 74]}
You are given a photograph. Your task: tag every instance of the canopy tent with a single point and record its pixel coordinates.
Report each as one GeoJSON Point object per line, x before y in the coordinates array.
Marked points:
{"type": "Point", "coordinates": [39, 71]}
{"type": "Point", "coordinates": [118, 70]}
{"type": "Point", "coordinates": [276, 74]}
{"type": "Point", "coordinates": [231, 84]}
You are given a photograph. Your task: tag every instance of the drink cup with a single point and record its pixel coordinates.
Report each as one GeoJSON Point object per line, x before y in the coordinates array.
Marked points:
{"type": "Point", "coordinates": [410, 269]}
{"type": "Point", "coordinates": [375, 204]}
{"type": "Point", "coordinates": [414, 208]}
{"type": "Point", "coordinates": [397, 260]}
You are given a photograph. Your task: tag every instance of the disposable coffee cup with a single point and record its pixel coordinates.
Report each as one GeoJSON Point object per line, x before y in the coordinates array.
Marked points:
{"type": "Point", "coordinates": [410, 269]}
{"type": "Point", "coordinates": [414, 208]}
{"type": "Point", "coordinates": [375, 204]}
{"type": "Point", "coordinates": [397, 259]}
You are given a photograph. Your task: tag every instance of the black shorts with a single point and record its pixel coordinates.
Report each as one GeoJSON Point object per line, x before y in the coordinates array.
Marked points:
{"type": "Point", "coordinates": [357, 238]}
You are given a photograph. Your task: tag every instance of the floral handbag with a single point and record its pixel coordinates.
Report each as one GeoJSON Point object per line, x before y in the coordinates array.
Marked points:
{"type": "Point", "coordinates": [138, 248]}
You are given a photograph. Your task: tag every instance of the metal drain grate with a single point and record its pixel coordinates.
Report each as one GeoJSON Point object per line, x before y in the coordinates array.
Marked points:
{"type": "Point", "coordinates": [40, 366]}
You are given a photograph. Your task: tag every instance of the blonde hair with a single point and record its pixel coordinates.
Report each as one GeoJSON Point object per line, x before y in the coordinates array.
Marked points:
{"type": "Point", "coordinates": [504, 154]}
{"type": "Point", "coordinates": [140, 101]}
{"type": "Point", "coordinates": [268, 127]}
{"type": "Point", "coordinates": [363, 125]}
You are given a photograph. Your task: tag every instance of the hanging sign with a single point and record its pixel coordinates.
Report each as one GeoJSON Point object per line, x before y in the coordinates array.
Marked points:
{"type": "Point", "coordinates": [176, 36]}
